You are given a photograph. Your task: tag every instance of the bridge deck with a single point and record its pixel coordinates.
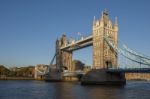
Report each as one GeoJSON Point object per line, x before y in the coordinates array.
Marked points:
{"type": "Point", "coordinates": [83, 42]}
{"type": "Point", "coordinates": [129, 70]}
{"type": "Point", "coordinates": [75, 73]}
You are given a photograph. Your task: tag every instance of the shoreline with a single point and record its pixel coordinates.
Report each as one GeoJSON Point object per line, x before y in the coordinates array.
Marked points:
{"type": "Point", "coordinates": [27, 78]}
{"type": "Point", "coordinates": [17, 78]}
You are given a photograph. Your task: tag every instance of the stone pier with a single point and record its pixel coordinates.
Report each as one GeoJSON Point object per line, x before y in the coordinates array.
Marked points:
{"type": "Point", "coordinates": [102, 77]}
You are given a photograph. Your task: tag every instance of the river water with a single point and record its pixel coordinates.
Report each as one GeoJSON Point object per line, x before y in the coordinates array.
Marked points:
{"type": "Point", "coordinates": [65, 90]}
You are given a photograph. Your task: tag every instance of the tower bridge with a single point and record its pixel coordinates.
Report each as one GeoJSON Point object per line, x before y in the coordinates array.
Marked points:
{"type": "Point", "coordinates": [109, 60]}
{"type": "Point", "coordinates": [103, 56]}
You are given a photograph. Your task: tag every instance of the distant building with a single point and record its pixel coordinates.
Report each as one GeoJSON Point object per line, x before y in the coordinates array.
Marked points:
{"type": "Point", "coordinates": [87, 68]}
{"type": "Point", "coordinates": [40, 70]}
{"type": "Point", "coordinates": [78, 65]}
{"type": "Point", "coordinates": [137, 76]}
{"type": "Point", "coordinates": [22, 71]}
{"type": "Point", "coordinates": [13, 69]}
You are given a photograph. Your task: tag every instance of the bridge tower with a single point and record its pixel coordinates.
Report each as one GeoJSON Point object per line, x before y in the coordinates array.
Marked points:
{"type": "Point", "coordinates": [103, 55]}
{"type": "Point", "coordinates": [63, 58]}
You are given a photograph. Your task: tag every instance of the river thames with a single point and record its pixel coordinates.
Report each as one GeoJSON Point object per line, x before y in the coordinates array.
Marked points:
{"type": "Point", "coordinates": [66, 90]}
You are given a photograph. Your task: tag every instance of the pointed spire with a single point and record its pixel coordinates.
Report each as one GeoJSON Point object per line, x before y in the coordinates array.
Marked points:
{"type": "Point", "coordinates": [57, 41]}
{"type": "Point", "coordinates": [116, 24]}
{"type": "Point", "coordinates": [64, 34]}
{"type": "Point", "coordinates": [94, 20]}
{"type": "Point", "coordinates": [116, 21]}
{"type": "Point", "coordinates": [105, 12]}
{"type": "Point", "coordinates": [102, 16]}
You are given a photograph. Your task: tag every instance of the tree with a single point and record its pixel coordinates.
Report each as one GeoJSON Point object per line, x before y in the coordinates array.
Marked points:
{"type": "Point", "coordinates": [4, 70]}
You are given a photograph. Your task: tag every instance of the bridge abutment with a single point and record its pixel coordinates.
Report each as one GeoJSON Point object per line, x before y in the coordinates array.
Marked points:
{"type": "Point", "coordinates": [101, 76]}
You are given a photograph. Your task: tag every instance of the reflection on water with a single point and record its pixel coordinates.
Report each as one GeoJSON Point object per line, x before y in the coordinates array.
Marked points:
{"type": "Point", "coordinates": [66, 90]}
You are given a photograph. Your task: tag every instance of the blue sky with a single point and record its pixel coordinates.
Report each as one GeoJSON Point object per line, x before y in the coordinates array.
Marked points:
{"type": "Point", "coordinates": [29, 28]}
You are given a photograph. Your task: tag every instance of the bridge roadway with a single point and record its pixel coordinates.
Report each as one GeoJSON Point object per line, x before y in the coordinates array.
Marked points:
{"type": "Point", "coordinates": [72, 73]}
{"type": "Point", "coordinates": [79, 44]}
{"type": "Point", "coordinates": [129, 70]}
{"type": "Point", "coordinates": [112, 70]}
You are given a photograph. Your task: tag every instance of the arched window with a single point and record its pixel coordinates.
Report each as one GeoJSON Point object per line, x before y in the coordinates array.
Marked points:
{"type": "Point", "coordinates": [109, 64]}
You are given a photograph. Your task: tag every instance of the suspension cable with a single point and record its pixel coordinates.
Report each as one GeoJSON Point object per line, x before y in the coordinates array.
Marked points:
{"type": "Point", "coordinates": [122, 51]}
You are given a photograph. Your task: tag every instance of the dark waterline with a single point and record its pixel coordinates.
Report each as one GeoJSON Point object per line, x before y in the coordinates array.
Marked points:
{"type": "Point", "coordinates": [65, 90]}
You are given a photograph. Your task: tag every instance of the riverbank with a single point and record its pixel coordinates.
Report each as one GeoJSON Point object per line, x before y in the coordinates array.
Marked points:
{"type": "Point", "coordinates": [16, 78]}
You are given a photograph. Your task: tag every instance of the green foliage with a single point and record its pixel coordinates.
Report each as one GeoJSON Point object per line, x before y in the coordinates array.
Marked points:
{"type": "Point", "coordinates": [4, 70]}
{"type": "Point", "coordinates": [17, 72]}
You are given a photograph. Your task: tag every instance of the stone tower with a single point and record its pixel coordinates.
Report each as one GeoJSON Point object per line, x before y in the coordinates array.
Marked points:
{"type": "Point", "coordinates": [63, 58]}
{"type": "Point", "coordinates": [103, 55]}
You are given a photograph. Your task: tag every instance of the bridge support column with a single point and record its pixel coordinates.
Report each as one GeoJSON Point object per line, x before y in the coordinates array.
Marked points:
{"type": "Point", "coordinates": [67, 60]}
{"type": "Point", "coordinates": [103, 55]}
{"type": "Point", "coordinates": [63, 58]}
